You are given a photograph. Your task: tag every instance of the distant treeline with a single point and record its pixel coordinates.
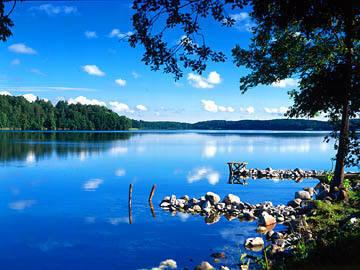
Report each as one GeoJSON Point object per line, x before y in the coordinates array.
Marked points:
{"type": "Point", "coordinates": [277, 124]}
{"type": "Point", "coordinates": [18, 113]}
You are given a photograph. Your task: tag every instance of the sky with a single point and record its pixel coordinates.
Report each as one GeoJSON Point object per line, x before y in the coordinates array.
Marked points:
{"type": "Point", "coordinates": [75, 51]}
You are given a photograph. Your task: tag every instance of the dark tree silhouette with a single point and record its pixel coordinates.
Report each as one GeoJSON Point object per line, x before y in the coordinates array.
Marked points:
{"type": "Point", "coordinates": [315, 41]}
{"type": "Point", "coordinates": [5, 22]}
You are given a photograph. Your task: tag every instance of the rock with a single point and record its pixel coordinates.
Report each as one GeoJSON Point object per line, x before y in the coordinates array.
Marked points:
{"type": "Point", "coordinates": [197, 208]}
{"type": "Point", "coordinates": [303, 195]}
{"type": "Point", "coordinates": [212, 198]}
{"type": "Point", "coordinates": [166, 199]}
{"type": "Point", "coordinates": [168, 264]}
{"type": "Point", "coordinates": [218, 255]}
{"type": "Point", "coordinates": [254, 242]}
{"type": "Point", "coordinates": [173, 199]}
{"type": "Point", "coordinates": [295, 203]}
{"type": "Point", "coordinates": [165, 204]}
{"type": "Point", "coordinates": [261, 229]}
{"type": "Point", "coordinates": [212, 218]}
{"type": "Point", "coordinates": [266, 219]}
{"type": "Point", "coordinates": [280, 219]}
{"type": "Point", "coordinates": [220, 206]}
{"type": "Point", "coordinates": [206, 206]}
{"type": "Point", "coordinates": [224, 268]}
{"type": "Point", "coordinates": [185, 198]}
{"type": "Point", "coordinates": [193, 201]}
{"type": "Point", "coordinates": [310, 190]}
{"type": "Point", "coordinates": [231, 199]}
{"type": "Point", "coordinates": [204, 266]}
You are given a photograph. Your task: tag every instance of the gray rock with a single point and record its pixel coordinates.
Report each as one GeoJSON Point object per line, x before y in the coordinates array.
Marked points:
{"type": "Point", "coordinates": [310, 190]}
{"type": "Point", "coordinates": [295, 203]}
{"type": "Point", "coordinates": [212, 197]}
{"type": "Point", "coordinates": [231, 199]}
{"type": "Point", "coordinates": [204, 266]}
{"type": "Point", "coordinates": [303, 195]}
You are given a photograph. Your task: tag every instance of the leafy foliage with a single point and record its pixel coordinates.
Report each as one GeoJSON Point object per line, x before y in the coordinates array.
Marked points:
{"type": "Point", "coordinates": [5, 22]}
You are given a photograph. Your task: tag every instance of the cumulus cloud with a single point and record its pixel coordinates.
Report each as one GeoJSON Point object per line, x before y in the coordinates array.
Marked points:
{"type": "Point", "coordinates": [141, 107]}
{"type": "Point", "coordinates": [52, 10]}
{"type": "Point", "coordinates": [118, 34]}
{"type": "Point", "coordinates": [30, 97]}
{"type": "Point", "coordinates": [243, 21]}
{"type": "Point", "coordinates": [276, 111]}
{"type": "Point", "coordinates": [119, 107]}
{"type": "Point", "coordinates": [211, 106]}
{"type": "Point", "coordinates": [199, 81]}
{"type": "Point", "coordinates": [240, 16]}
{"type": "Point", "coordinates": [15, 62]}
{"type": "Point", "coordinates": [92, 184]}
{"type": "Point", "coordinates": [289, 82]}
{"type": "Point", "coordinates": [21, 48]}
{"type": "Point", "coordinates": [5, 93]}
{"type": "Point", "coordinates": [135, 75]}
{"type": "Point", "coordinates": [86, 101]}
{"type": "Point", "coordinates": [250, 110]}
{"type": "Point", "coordinates": [90, 34]}
{"type": "Point", "coordinates": [207, 173]}
{"type": "Point", "coordinates": [120, 82]}
{"type": "Point", "coordinates": [93, 70]}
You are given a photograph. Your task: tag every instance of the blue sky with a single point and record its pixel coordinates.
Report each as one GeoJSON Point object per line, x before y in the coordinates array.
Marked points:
{"type": "Point", "coordinates": [71, 50]}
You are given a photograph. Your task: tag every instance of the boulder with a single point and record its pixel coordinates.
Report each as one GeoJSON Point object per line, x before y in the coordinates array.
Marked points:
{"type": "Point", "coordinates": [254, 242]}
{"type": "Point", "coordinates": [224, 268]}
{"type": "Point", "coordinates": [310, 190]}
{"type": "Point", "coordinates": [165, 204]}
{"type": "Point", "coordinates": [212, 218]}
{"type": "Point", "coordinates": [168, 264]}
{"type": "Point", "coordinates": [294, 203]}
{"type": "Point", "coordinates": [303, 195]}
{"type": "Point", "coordinates": [173, 199]}
{"type": "Point", "coordinates": [231, 199]}
{"type": "Point", "coordinates": [204, 266]}
{"type": "Point", "coordinates": [266, 219]}
{"type": "Point", "coordinates": [206, 206]}
{"type": "Point", "coordinates": [212, 198]}
{"type": "Point", "coordinates": [197, 208]}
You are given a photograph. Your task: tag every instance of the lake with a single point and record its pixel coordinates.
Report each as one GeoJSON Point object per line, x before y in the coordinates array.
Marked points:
{"type": "Point", "coordinates": [64, 195]}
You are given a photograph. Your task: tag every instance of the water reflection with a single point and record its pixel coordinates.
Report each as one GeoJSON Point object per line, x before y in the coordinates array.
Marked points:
{"type": "Point", "coordinates": [201, 173]}
{"type": "Point", "coordinates": [92, 184]}
{"type": "Point", "coordinates": [120, 172]}
{"type": "Point", "coordinates": [21, 205]}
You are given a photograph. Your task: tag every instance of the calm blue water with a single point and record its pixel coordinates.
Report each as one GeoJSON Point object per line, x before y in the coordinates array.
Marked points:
{"type": "Point", "coordinates": [64, 195]}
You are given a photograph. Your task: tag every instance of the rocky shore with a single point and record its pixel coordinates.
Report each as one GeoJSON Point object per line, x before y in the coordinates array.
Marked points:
{"type": "Point", "coordinates": [281, 173]}
{"type": "Point", "coordinates": [267, 215]}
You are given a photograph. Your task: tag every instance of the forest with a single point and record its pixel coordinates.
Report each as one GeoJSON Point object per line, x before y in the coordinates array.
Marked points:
{"type": "Point", "coordinates": [18, 113]}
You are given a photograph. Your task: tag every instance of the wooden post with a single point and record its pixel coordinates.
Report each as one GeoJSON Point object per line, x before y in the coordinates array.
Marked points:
{"type": "Point", "coordinates": [152, 209]}
{"type": "Point", "coordinates": [130, 203]}
{"type": "Point", "coordinates": [152, 192]}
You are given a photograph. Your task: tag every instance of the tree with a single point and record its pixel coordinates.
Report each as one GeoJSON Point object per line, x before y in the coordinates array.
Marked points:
{"type": "Point", "coordinates": [5, 22]}
{"type": "Point", "coordinates": [315, 41]}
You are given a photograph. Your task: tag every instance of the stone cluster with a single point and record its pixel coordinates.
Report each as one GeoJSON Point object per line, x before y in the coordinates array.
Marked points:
{"type": "Point", "coordinates": [271, 173]}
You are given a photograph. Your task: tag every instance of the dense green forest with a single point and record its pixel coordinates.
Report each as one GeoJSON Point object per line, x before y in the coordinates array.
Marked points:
{"type": "Point", "coordinates": [18, 113]}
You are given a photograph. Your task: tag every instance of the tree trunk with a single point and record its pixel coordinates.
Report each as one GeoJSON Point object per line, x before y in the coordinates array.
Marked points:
{"type": "Point", "coordinates": [338, 180]}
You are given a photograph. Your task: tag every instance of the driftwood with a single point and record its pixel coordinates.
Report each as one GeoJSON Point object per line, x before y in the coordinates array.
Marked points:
{"type": "Point", "coordinates": [130, 203]}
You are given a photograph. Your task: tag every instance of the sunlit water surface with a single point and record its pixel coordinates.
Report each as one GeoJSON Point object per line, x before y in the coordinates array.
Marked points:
{"type": "Point", "coordinates": [64, 196]}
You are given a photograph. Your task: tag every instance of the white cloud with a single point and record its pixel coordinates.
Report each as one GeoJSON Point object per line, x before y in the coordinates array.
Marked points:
{"type": "Point", "coordinates": [90, 34]}
{"type": "Point", "coordinates": [52, 10]}
{"type": "Point", "coordinates": [117, 33]}
{"type": "Point", "coordinates": [93, 70]}
{"type": "Point", "coordinates": [86, 101]}
{"type": "Point", "coordinates": [211, 106]}
{"type": "Point", "coordinates": [198, 174]}
{"type": "Point", "coordinates": [240, 16]}
{"type": "Point", "coordinates": [5, 93]}
{"type": "Point", "coordinates": [210, 150]}
{"type": "Point", "coordinates": [250, 110]}
{"type": "Point", "coordinates": [92, 184]}
{"type": "Point", "coordinates": [120, 82]}
{"type": "Point", "coordinates": [120, 172]}
{"type": "Point", "coordinates": [289, 82]}
{"type": "Point", "coordinates": [30, 97]}
{"type": "Point", "coordinates": [277, 111]}
{"type": "Point", "coordinates": [119, 107]}
{"type": "Point", "coordinates": [37, 72]}
{"type": "Point", "coordinates": [15, 62]}
{"type": "Point", "coordinates": [198, 81]}
{"type": "Point", "coordinates": [141, 107]}
{"type": "Point", "coordinates": [21, 48]}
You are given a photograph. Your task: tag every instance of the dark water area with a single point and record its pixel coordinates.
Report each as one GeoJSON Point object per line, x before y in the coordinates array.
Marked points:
{"type": "Point", "coordinates": [64, 195]}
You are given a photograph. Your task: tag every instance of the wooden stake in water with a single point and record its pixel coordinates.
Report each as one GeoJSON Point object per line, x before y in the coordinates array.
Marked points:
{"type": "Point", "coordinates": [152, 193]}
{"type": "Point", "coordinates": [130, 203]}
